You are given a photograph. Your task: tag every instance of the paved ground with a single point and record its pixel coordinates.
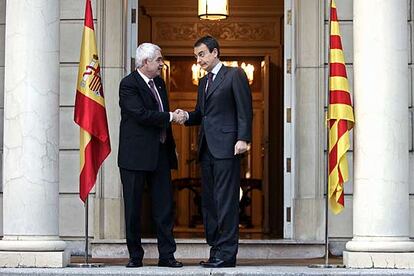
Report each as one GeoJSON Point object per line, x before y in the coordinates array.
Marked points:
{"type": "Point", "coordinates": [196, 270]}
{"type": "Point", "coordinates": [115, 267]}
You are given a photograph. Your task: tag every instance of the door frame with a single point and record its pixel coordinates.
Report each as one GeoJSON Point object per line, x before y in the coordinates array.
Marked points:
{"type": "Point", "coordinates": [130, 35]}
{"type": "Point", "coordinates": [289, 118]}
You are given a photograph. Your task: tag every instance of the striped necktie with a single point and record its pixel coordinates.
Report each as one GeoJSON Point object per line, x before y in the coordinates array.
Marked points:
{"type": "Point", "coordinates": [209, 81]}
{"type": "Point", "coordinates": [163, 133]}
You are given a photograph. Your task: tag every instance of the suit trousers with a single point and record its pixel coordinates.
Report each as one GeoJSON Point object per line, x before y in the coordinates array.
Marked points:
{"type": "Point", "coordinates": [220, 203]}
{"type": "Point", "coordinates": [159, 182]}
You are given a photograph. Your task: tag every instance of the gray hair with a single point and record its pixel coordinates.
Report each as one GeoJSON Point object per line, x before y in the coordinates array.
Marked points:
{"type": "Point", "coordinates": [145, 51]}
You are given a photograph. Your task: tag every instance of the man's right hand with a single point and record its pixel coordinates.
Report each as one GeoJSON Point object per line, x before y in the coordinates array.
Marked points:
{"type": "Point", "coordinates": [180, 116]}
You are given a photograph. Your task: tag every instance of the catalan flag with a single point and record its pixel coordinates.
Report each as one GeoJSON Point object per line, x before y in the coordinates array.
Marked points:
{"type": "Point", "coordinates": [90, 113]}
{"type": "Point", "coordinates": [340, 117]}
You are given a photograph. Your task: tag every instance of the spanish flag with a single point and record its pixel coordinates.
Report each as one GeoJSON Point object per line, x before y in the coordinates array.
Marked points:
{"type": "Point", "coordinates": [340, 117]}
{"type": "Point", "coordinates": [90, 113]}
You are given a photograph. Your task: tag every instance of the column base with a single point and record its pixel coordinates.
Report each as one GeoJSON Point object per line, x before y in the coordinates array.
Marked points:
{"type": "Point", "coordinates": [32, 244]}
{"type": "Point", "coordinates": [378, 259]}
{"type": "Point", "coordinates": [380, 244]}
{"type": "Point", "coordinates": [34, 259]}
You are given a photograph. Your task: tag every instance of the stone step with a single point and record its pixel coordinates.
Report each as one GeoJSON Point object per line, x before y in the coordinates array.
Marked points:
{"type": "Point", "coordinates": [198, 249]}
{"type": "Point", "coordinates": [197, 270]}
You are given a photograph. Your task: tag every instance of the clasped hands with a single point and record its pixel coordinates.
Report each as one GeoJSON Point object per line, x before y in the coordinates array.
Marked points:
{"type": "Point", "coordinates": [179, 116]}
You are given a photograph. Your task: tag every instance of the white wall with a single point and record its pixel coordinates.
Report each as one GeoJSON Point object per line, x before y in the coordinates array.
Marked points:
{"type": "Point", "coordinates": [71, 221]}
{"type": "Point", "coordinates": [2, 36]}
{"type": "Point", "coordinates": [341, 226]}
{"type": "Point", "coordinates": [311, 95]}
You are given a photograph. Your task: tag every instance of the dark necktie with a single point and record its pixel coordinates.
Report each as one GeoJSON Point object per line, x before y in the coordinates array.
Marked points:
{"type": "Point", "coordinates": [209, 81]}
{"type": "Point", "coordinates": [163, 133]}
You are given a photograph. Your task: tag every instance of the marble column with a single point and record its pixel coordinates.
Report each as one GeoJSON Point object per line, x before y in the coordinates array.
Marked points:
{"type": "Point", "coordinates": [109, 216]}
{"type": "Point", "coordinates": [31, 137]}
{"type": "Point", "coordinates": [381, 196]}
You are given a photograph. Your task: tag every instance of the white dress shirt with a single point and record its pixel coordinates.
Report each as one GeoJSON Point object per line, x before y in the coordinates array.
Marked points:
{"type": "Point", "coordinates": [146, 79]}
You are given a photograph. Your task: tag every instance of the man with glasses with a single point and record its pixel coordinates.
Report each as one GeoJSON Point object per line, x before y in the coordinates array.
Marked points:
{"type": "Point", "coordinates": [147, 154]}
{"type": "Point", "coordinates": [224, 111]}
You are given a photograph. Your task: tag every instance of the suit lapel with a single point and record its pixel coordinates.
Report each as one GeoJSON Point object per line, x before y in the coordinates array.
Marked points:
{"type": "Point", "coordinates": [144, 89]}
{"type": "Point", "coordinates": [217, 81]}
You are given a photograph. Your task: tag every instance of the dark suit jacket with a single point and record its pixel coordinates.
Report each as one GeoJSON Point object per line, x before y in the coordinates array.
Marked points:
{"type": "Point", "coordinates": [225, 113]}
{"type": "Point", "coordinates": [141, 123]}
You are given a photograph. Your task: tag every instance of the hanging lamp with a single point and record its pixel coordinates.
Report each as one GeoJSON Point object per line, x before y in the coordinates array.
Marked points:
{"type": "Point", "coordinates": [213, 9]}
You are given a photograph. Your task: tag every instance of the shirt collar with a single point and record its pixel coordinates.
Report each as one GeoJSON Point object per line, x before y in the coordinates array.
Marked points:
{"type": "Point", "coordinates": [217, 68]}
{"type": "Point", "coordinates": [146, 79]}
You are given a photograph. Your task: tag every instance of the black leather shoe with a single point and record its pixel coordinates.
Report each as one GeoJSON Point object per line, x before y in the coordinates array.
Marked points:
{"type": "Point", "coordinates": [210, 260]}
{"type": "Point", "coordinates": [220, 263]}
{"type": "Point", "coordinates": [169, 263]}
{"type": "Point", "coordinates": [134, 263]}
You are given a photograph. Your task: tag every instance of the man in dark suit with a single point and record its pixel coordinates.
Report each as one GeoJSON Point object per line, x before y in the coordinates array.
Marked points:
{"type": "Point", "coordinates": [224, 111]}
{"type": "Point", "coordinates": [147, 154]}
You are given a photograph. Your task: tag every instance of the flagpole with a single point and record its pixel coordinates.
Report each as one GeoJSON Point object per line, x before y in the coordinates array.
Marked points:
{"type": "Point", "coordinates": [90, 115]}
{"type": "Point", "coordinates": [86, 230]}
{"type": "Point", "coordinates": [326, 214]}
{"type": "Point", "coordinates": [327, 265]}
{"type": "Point", "coordinates": [86, 259]}
{"type": "Point", "coordinates": [327, 137]}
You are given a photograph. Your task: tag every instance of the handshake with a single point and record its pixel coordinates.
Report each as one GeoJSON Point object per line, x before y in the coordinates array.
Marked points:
{"type": "Point", "coordinates": [179, 116]}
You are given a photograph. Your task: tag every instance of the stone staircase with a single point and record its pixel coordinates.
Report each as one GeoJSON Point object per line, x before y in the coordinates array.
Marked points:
{"type": "Point", "coordinates": [197, 249]}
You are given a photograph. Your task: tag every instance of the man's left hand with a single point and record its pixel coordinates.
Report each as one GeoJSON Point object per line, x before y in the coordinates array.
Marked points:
{"type": "Point", "coordinates": [179, 116]}
{"type": "Point", "coordinates": [240, 147]}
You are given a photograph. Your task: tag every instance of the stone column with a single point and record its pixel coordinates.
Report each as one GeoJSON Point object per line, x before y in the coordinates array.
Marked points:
{"type": "Point", "coordinates": [31, 137]}
{"type": "Point", "coordinates": [309, 168]}
{"type": "Point", "coordinates": [109, 217]}
{"type": "Point", "coordinates": [381, 199]}
{"type": "Point", "coordinates": [109, 230]}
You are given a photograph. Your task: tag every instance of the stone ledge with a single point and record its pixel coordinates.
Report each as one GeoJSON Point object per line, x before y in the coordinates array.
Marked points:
{"type": "Point", "coordinates": [197, 248]}
{"type": "Point", "coordinates": [34, 259]}
{"type": "Point", "coordinates": [378, 259]}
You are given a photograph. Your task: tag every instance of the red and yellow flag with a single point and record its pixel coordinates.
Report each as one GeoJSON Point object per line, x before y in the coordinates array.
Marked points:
{"type": "Point", "coordinates": [90, 113]}
{"type": "Point", "coordinates": [340, 117]}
